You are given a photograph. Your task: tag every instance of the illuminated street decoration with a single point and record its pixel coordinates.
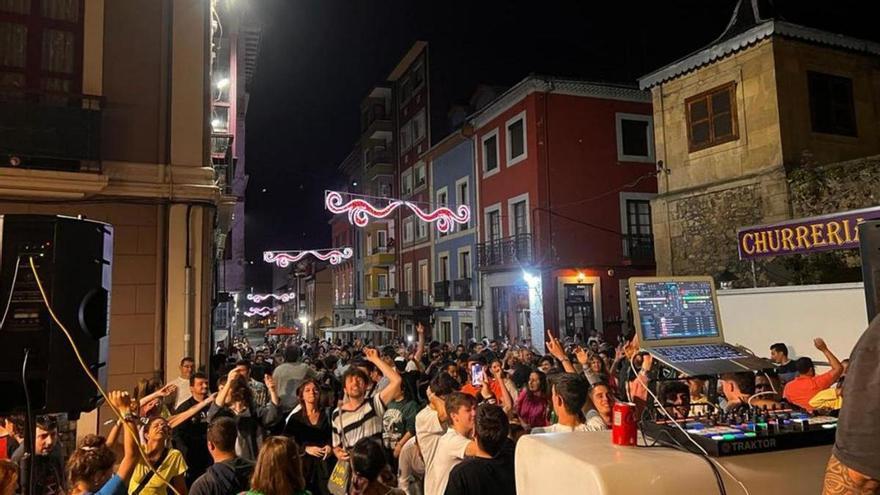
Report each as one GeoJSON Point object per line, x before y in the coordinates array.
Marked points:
{"type": "Point", "coordinates": [258, 298]}
{"type": "Point", "coordinates": [360, 210]}
{"type": "Point", "coordinates": [285, 258]}
{"type": "Point", "coordinates": [260, 311]}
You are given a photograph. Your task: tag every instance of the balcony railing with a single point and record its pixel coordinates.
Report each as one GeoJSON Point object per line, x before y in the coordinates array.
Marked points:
{"type": "Point", "coordinates": [379, 250]}
{"type": "Point", "coordinates": [223, 160]}
{"type": "Point", "coordinates": [442, 295]}
{"type": "Point", "coordinates": [415, 299]}
{"type": "Point", "coordinates": [376, 157]}
{"type": "Point", "coordinates": [49, 130]}
{"type": "Point", "coordinates": [507, 252]}
{"type": "Point", "coordinates": [461, 290]}
{"type": "Point", "coordinates": [639, 248]}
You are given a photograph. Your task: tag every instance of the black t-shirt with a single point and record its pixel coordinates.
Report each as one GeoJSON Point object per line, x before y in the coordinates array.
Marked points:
{"type": "Point", "coordinates": [479, 476]}
{"type": "Point", "coordinates": [858, 431]}
{"type": "Point", "coordinates": [191, 439]}
{"type": "Point", "coordinates": [789, 367]}
{"type": "Point", "coordinates": [224, 478]}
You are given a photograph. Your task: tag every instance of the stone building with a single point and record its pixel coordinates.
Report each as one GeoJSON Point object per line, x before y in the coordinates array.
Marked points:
{"type": "Point", "coordinates": [734, 122]}
{"type": "Point", "coordinates": [123, 90]}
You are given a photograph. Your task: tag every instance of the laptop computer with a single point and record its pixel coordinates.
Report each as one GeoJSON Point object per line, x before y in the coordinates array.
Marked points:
{"type": "Point", "coordinates": [677, 321]}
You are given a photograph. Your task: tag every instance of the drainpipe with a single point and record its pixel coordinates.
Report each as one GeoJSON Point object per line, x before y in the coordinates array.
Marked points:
{"type": "Point", "coordinates": [188, 288]}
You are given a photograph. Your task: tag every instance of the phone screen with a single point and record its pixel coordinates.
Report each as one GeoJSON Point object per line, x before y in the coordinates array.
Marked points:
{"type": "Point", "coordinates": [477, 375]}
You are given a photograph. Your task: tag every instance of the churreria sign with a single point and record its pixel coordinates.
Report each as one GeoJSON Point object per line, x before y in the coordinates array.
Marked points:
{"type": "Point", "coordinates": [805, 235]}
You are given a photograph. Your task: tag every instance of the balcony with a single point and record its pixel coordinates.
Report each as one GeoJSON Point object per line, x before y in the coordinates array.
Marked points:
{"type": "Point", "coordinates": [380, 256]}
{"type": "Point", "coordinates": [506, 253]}
{"type": "Point", "coordinates": [639, 248]}
{"type": "Point", "coordinates": [461, 290]}
{"type": "Point", "coordinates": [222, 158]}
{"type": "Point", "coordinates": [50, 131]}
{"type": "Point", "coordinates": [417, 299]}
{"type": "Point", "coordinates": [377, 123]}
{"type": "Point", "coordinates": [380, 299]}
{"type": "Point", "coordinates": [442, 296]}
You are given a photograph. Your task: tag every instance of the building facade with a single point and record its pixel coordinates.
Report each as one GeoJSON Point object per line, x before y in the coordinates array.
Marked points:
{"type": "Point", "coordinates": [410, 80]}
{"type": "Point", "coordinates": [451, 162]}
{"type": "Point", "coordinates": [565, 177]}
{"type": "Point", "coordinates": [347, 277]}
{"type": "Point", "coordinates": [236, 46]}
{"type": "Point", "coordinates": [125, 90]}
{"type": "Point", "coordinates": [740, 121]}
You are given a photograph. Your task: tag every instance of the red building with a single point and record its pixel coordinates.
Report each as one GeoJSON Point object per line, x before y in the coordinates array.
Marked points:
{"type": "Point", "coordinates": [566, 175]}
{"type": "Point", "coordinates": [413, 247]}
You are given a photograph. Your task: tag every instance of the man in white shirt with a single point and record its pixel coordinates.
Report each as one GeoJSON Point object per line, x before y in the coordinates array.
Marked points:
{"type": "Point", "coordinates": [568, 394]}
{"type": "Point", "coordinates": [183, 394]}
{"type": "Point", "coordinates": [430, 420]}
{"type": "Point", "coordinates": [454, 445]}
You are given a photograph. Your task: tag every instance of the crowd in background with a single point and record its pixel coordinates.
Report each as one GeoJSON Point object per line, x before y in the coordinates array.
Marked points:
{"type": "Point", "coordinates": [294, 416]}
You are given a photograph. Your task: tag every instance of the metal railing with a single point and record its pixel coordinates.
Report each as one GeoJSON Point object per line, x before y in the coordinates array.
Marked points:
{"type": "Point", "coordinates": [461, 290]}
{"type": "Point", "coordinates": [50, 130]}
{"type": "Point", "coordinates": [441, 292]}
{"type": "Point", "coordinates": [509, 251]}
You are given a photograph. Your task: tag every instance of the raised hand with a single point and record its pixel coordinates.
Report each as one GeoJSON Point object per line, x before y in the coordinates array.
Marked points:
{"type": "Point", "coordinates": [820, 344]}
{"type": "Point", "coordinates": [168, 390]}
{"type": "Point", "coordinates": [120, 401]}
{"type": "Point", "coordinates": [554, 347]}
{"type": "Point", "coordinates": [582, 355]}
{"type": "Point", "coordinates": [371, 354]}
{"type": "Point", "coordinates": [269, 381]}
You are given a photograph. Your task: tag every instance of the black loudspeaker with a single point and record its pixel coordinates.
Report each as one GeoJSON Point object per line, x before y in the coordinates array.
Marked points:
{"type": "Point", "coordinates": [73, 259]}
{"type": "Point", "coordinates": [869, 242]}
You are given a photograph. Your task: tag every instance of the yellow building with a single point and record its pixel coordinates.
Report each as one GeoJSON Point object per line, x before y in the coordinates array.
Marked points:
{"type": "Point", "coordinates": [109, 118]}
{"type": "Point", "coordinates": [734, 119]}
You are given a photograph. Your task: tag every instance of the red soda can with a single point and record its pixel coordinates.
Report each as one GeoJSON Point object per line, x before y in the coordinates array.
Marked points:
{"type": "Point", "coordinates": [623, 424]}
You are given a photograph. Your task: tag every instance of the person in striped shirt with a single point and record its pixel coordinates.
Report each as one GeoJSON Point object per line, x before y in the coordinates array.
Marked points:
{"type": "Point", "coordinates": [360, 416]}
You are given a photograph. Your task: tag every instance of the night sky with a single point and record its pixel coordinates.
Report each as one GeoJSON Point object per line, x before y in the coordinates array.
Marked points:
{"type": "Point", "coordinates": [319, 58]}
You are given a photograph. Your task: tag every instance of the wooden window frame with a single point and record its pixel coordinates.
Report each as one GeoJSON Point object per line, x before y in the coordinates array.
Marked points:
{"type": "Point", "coordinates": [706, 95]}
{"type": "Point", "coordinates": [36, 25]}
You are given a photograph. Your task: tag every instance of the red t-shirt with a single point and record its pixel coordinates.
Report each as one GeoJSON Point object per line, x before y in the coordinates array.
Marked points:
{"type": "Point", "coordinates": [494, 386]}
{"type": "Point", "coordinates": [803, 388]}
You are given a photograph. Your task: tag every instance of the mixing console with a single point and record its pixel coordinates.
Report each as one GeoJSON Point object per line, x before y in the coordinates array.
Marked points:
{"type": "Point", "coordinates": [747, 431]}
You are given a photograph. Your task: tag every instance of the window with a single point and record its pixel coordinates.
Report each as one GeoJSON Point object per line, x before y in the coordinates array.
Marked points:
{"type": "Point", "coordinates": [519, 215]}
{"type": "Point", "coordinates": [464, 264]}
{"type": "Point", "coordinates": [493, 225]}
{"type": "Point", "coordinates": [516, 139]}
{"type": "Point", "coordinates": [490, 152]}
{"type": "Point", "coordinates": [421, 230]}
{"type": "Point", "coordinates": [421, 177]}
{"type": "Point", "coordinates": [382, 284]}
{"type": "Point", "coordinates": [442, 201]}
{"type": "Point", "coordinates": [831, 104]}
{"type": "Point", "coordinates": [445, 331]}
{"type": "Point", "coordinates": [405, 90]}
{"type": "Point", "coordinates": [405, 142]}
{"type": "Point", "coordinates": [423, 275]}
{"type": "Point", "coordinates": [443, 267]}
{"type": "Point", "coordinates": [384, 189]}
{"type": "Point", "coordinates": [407, 277]}
{"type": "Point", "coordinates": [382, 237]}
{"type": "Point", "coordinates": [42, 48]}
{"type": "Point", "coordinates": [638, 217]}
{"type": "Point", "coordinates": [711, 117]}
{"type": "Point", "coordinates": [407, 230]}
{"type": "Point", "coordinates": [462, 198]}
{"type": "Point", "coordinates": [418, 126]}
{"type": "Point", "coordinates": [418, 75]}
{"type": "Point", "coordinates": [635, 137]}
{"type": "Point", "coordinates": [406, 182]}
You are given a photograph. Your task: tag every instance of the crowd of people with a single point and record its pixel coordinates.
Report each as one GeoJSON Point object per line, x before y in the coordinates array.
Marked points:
{"type": "Point", "coordinates": [314, 416]}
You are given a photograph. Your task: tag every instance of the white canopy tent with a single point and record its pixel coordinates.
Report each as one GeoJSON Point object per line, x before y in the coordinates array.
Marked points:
{"type": "Point", "coordinates": [367, 330]}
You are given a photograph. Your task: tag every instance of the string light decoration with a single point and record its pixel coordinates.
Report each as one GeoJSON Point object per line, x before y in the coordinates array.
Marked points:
{"type": "Point", "coordinates": [260, 311]}
{"type": "Point", "coordinates": [285, 258]}
{"type": "Point", "coordinates": [258, 298]}
{"type": "Point", "coordinates": [360, 211]}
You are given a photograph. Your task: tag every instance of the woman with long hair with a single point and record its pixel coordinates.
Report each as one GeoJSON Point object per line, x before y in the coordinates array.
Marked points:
{"type": "Point", "coordinates": [532, 404]}
{"type": "Point", "coordinates": [90, 467]}
{"type": "Point", "coordinates": [236, 400]}
{"type": "Point", "coordinates": [279, 469]}
{"type": "Point", "coordinates": [370, 473]}
{"type": "Point", "coordinates": [309, 425]}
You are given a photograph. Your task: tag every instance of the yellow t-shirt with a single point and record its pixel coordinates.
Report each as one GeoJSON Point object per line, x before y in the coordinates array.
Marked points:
{"type": "Point", "coordinates": [172, 466]}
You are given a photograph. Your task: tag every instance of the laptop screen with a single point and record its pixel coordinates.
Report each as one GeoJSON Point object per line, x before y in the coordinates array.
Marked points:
{"type": "Point", "coordinates": [676, 310]}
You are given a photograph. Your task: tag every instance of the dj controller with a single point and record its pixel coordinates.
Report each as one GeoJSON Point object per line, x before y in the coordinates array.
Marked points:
{"type": "Point", "coordinates": [746, 431]}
